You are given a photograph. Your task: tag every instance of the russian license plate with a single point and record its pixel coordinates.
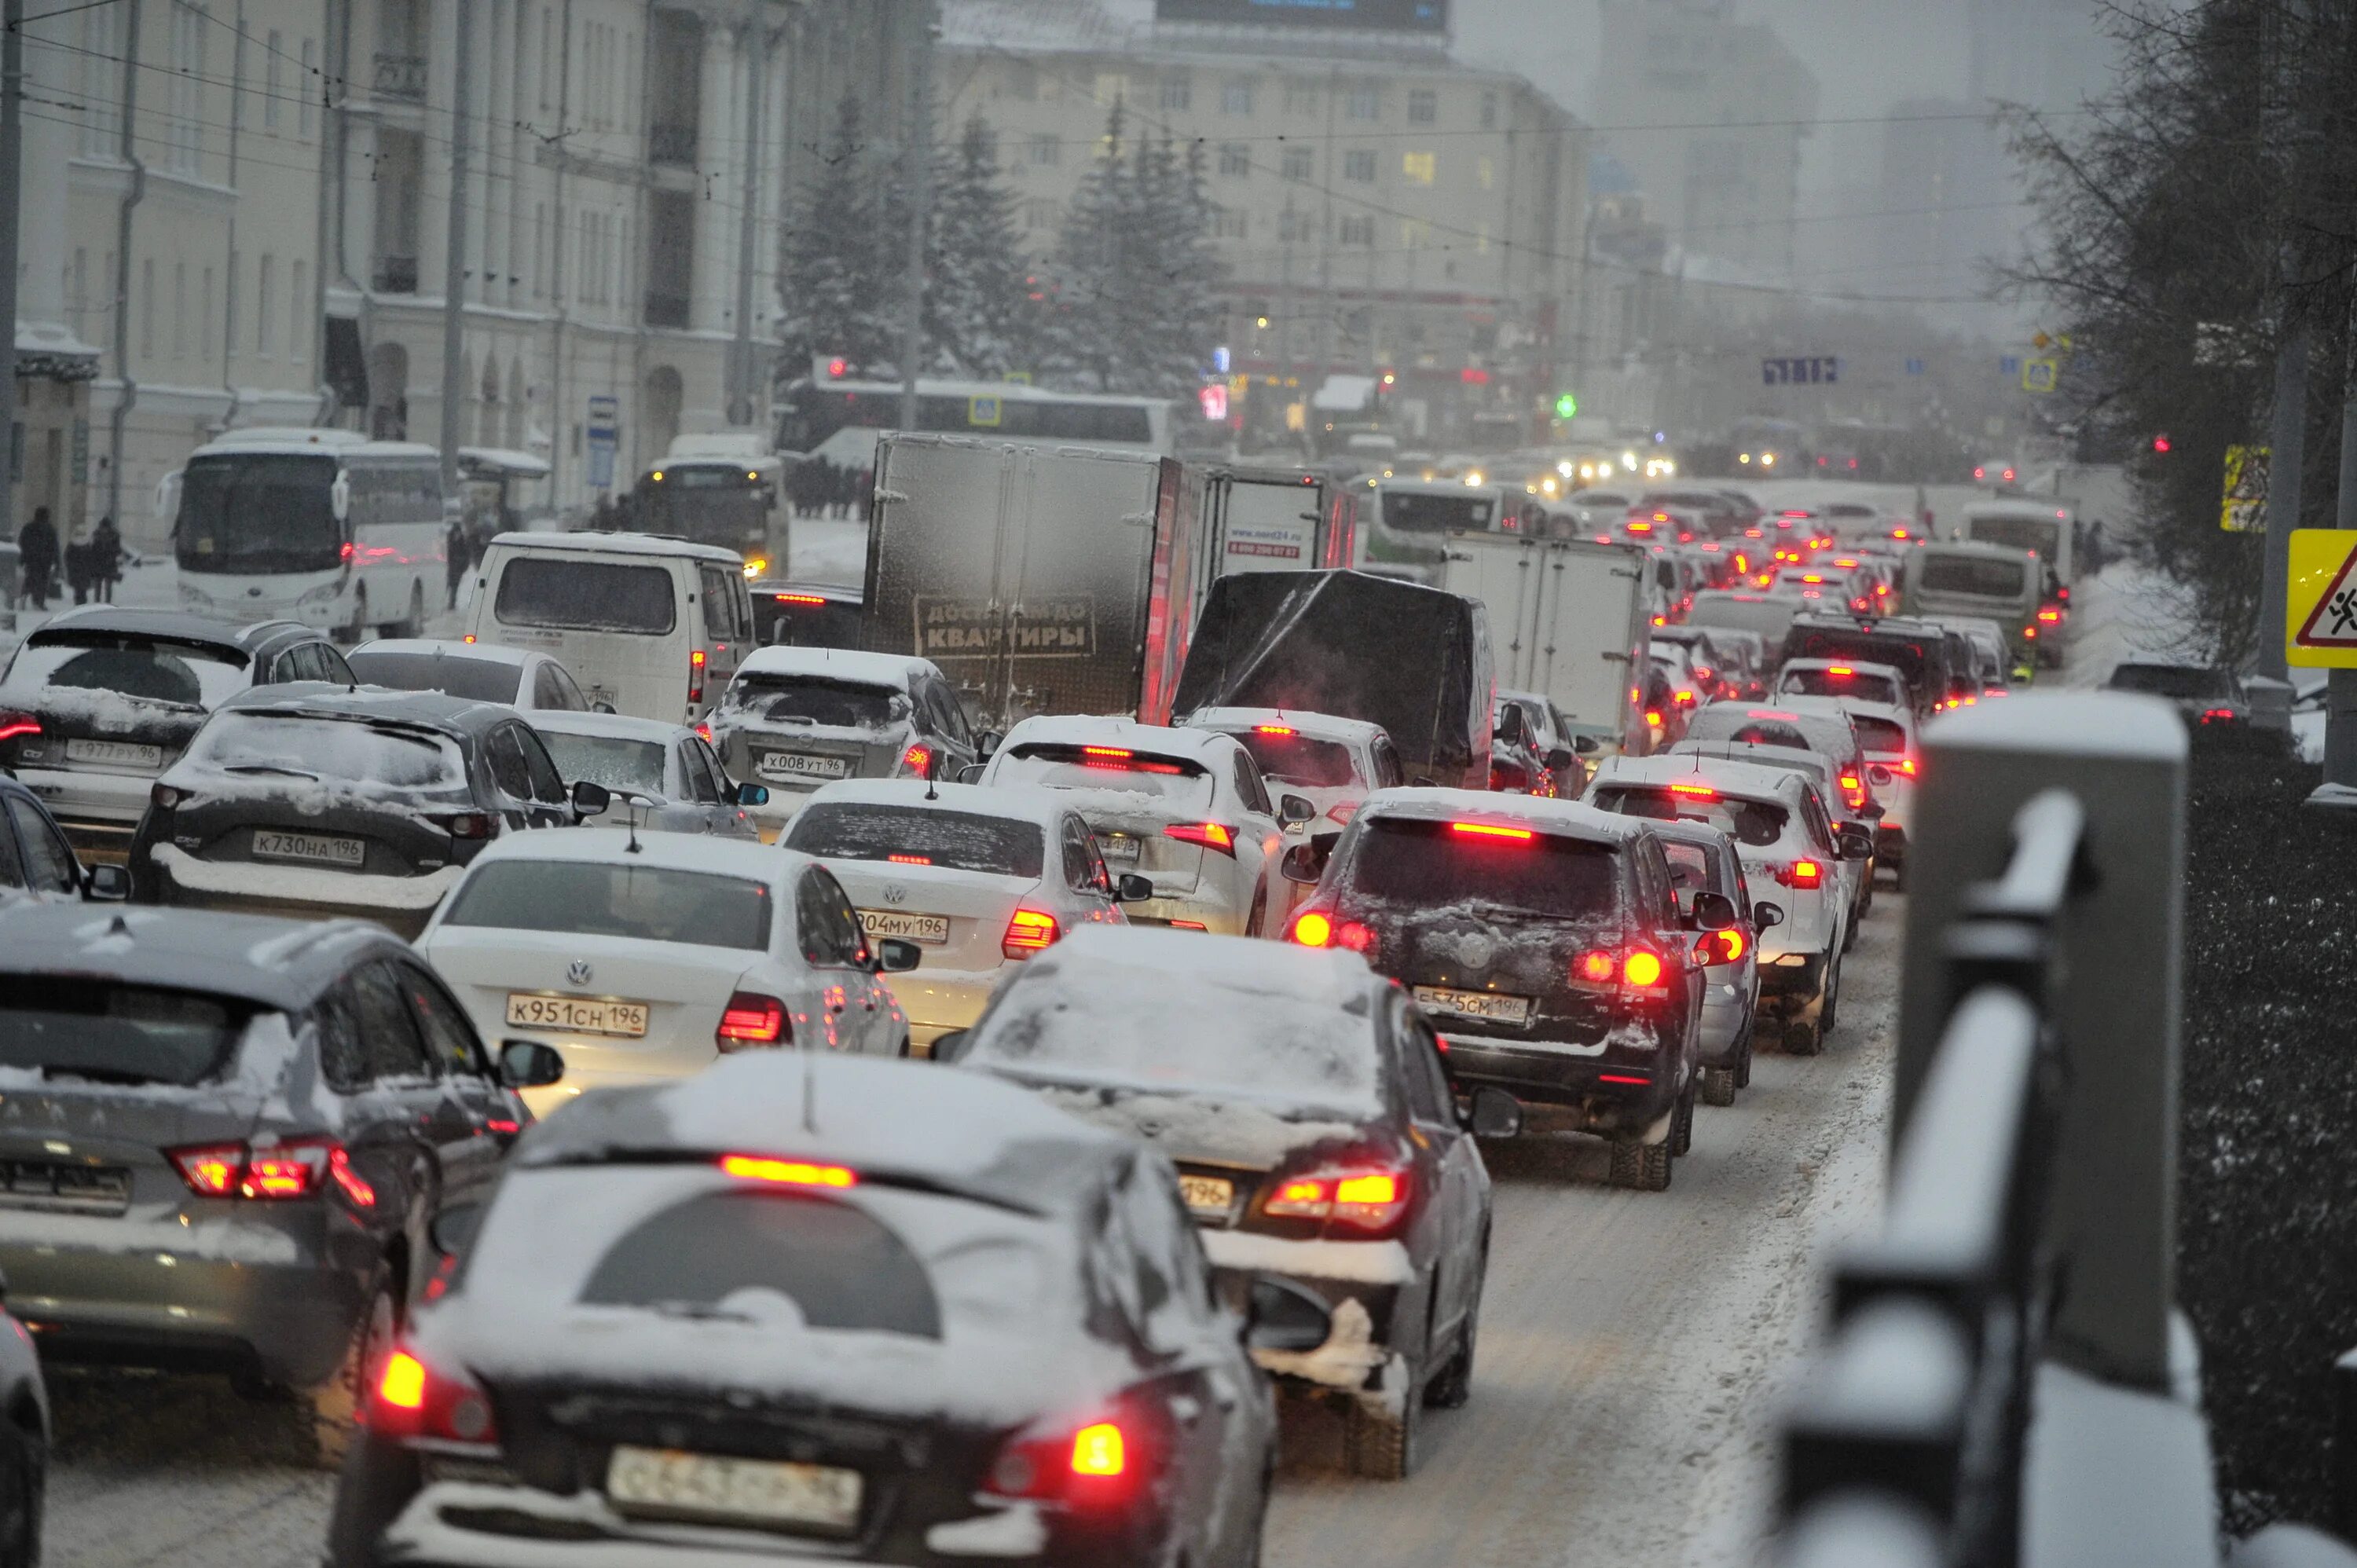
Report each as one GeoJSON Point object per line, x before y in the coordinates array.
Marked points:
{"type": "Point", "coordinates": [665, 1480]}
{"type": "Point", "coordinates": [934, 928]}
{"type": "Point", "coordinates": [1475, 1003]}
{"type": "Point", "coordinates": [121, 753]}
{"type": "Point", "coordinates": [1207, 1195]}
{"type": "Point", "coordinates": [801, 765]}
{"type": "Point", "coordinates": [578, 1014]}
{"type": "Point", "coordinates": [316, 849]}
{"type": "Point", "coordinates": [1119, 848]}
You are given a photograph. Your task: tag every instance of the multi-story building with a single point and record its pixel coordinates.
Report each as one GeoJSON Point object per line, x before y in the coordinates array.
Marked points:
{"type": "Point", "coordinates": [1384, 210]}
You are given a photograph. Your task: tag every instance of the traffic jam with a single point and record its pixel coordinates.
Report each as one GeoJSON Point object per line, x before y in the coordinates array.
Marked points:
{"type": "Point", "coordinates": [641, 1076]}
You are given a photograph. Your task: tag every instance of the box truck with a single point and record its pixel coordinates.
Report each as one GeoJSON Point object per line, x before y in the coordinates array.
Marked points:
{"type": "Point", "coordinates": [1568, 618]}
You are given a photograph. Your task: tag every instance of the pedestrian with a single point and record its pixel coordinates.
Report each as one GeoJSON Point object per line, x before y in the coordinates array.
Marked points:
{"type": "Point", "coordinates": [106, 555]}
{"type": "Point", "coordinates": [78, 570]}
{"type": "Point", "coordinates": [37, 547]}
{"type": "Point", "coordinates": [864, 494]}
{"type": "Point", "coordinates": [2097, 548]}
{"type": "Point", "coordinates": [459, 553]}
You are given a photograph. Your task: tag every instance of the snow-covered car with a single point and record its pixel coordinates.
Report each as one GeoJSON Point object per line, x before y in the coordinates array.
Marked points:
{"type": "Point", "coordinates": [1840, 679]}
{"type": "Point", "coordinates": [1887, 731]}
{"type": "Point", "coordinates": [1333, 763]}
{"type": "Point", "coordinates": [1790, 855]}
{"type": "Point", "coordinates": [1546, 735]}
{"type": "Point", "coordinates": [98, 702]}
{"type": "Point", "coordinates": [1186, 808]}
{"type": "Point", "coordinates": [796, 718]}
{"type": "Point", "coordinates": [311, 800]}
{"type": "Point", "coordinates": [523, 677]}
{"type": "Point", "coordinates": [1704, 860]}
{"type": "Point", "coordinates": [675, 783]}
{"type": "Point", "coordinates": [980, 879]}
{"type": "Point", "coordinates": [1303, 1101]}
{"type": "Point", "coordinates": [824, 1311]}
{"type": "Point", "coordinates": [644, 957]}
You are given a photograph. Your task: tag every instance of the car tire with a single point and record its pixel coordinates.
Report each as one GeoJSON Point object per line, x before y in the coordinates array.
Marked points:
{"type": "Point", "coordinates": [355, 631]}
{"type": "Point", "coordinates": [24, 1486]}
{"type": "Point", "coordinates": [1255, 922]}
{"type": "Point", "coordinates": [331, 1410]}
{"type": "Point", "coordinates": [1681, 1121]}
{"type": "Point", "coordinates": [1718, 1086]}
{"type": "Point", "coordinates": [1743, 1062]}
{"type": "Point", "coordinates": [414, 624]}
{"type": "Point", "coordinates": [1829, 1015]}
{"type": "Point", "coordinates": [1384, 1447]}
{"type": "Point", "coordinates": [1452, 1385]}
{"type": "Point", "coordinates": [1641, 1167]}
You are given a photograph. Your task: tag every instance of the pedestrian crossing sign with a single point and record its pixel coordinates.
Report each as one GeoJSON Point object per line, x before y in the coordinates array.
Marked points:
{"type": "Point", "coordinates": [2320, 599]}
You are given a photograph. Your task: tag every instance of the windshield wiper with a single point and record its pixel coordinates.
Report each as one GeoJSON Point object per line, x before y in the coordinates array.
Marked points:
{"type": "Point", "coordinates": [268, 768]}
{"type": "Point", "coordinates": [700, 1311]}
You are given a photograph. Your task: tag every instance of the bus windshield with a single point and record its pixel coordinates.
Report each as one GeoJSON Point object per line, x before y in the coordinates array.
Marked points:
{"type": "Point", "coordinates": [2015, 532]}
{"type": "Point", "coordinates": [264, 513]}
{"type": "Point", "coordinates": [711, 503]}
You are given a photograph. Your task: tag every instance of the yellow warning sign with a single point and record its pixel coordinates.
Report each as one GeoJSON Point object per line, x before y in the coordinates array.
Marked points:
{"type": "Point", "coordinates": [2320, 599]}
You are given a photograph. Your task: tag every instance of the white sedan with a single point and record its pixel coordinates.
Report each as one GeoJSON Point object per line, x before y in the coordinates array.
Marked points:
{"type": "Point", "coordinates": [668, 766]}
{"type": "Point", "coordinates": [1333, 763]}
{"type": "Point", "coordinates": [1184, 807]}
{"type": "Point", "coordinates": [650, 956]}
{"type": "Point", "coordinates": [979, 878]}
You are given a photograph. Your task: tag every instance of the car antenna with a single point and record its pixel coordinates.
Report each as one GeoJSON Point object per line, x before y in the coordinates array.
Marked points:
{"type": "Point", "coordinates": [810, 1084]}
{"type": "Point", "coordinates": [631, 817]}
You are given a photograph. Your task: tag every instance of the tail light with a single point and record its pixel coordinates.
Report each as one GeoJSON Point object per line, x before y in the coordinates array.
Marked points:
{"type": "Point", "coordinates": [464, 824]}
{"type": "Point", "coordinates": [165, 796]}
{"type": "Point", "coordinates": [299, 1168]}
{"type": "Point", "coordinates": [1209, 835]}
{"type": "Point", "coordinates": [1318, 928]}
{"type": "Point", "coordinates": [1029, 932]}
{"type": "Point", "coordinates": [1704, 674]}
{"type": "Point", "coordinates": [1097, 1464]}
{"type": "Point", "coordinates": [1721, 947]}
{"type": "Point", "coordinates": [2049, 617]}
{"type": "Point", "coordinates": [751, 1020]}
{"type": "Point", "coordinates": [415, 1400]}
{"type": "Point", "coordinates": [1342, 811]}
{"type": "Point", "coordinates": [1803, 873]}
{"type": "Point", "coordinates": [1854, 790]}
{"type": "Point", "coordinates": [1653, 718]}
{"type": "Point", "coordinates": [696, 676]}
{"type": "Point", "coordinates": [2029, 633]}
{"type": "Point", "coordinates": [918, 762]}
{"type": "Point", "coordinates": [1362, 1198]}
{"type": "Point", "coordinates": [1636, 972]}
{"type": "Point", "coordinates": [15, 726]}
{"type": "Point", "coordinates": [2217, 716]}
{"type": "Point", "coordinates": [1684, 699]}
{"type": "Point", "coordinates": [787, 1173]}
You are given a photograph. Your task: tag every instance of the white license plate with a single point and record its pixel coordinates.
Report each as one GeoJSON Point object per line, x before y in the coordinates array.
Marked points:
{"type": "Point", "coordinates": [801, 765]}
{"type": "Point", "coordinates": [1207, 1195]}
{"type": "Point", "coordinates": [932, 928]}
{"type": "Point", "coordinates": [121, 753]}
{"type": "Point", "coordinates": [665, 1480]}
{"type": "Point", "coordinates": [317, 849]}
{"type": "Point", "coordinates": [578, 1014]}
{"type": "Point", "coordinates": [1119, 848]}
{"type": "Point", "coordinates": [1475, 1003]}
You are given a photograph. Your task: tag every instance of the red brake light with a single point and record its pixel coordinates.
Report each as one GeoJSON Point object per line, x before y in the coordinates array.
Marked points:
{"type": "Point", "coordinates": [212, 1171]}
{"type": "Point", "coordinates": [15, 724]}
{"type": "Point", "coordinates": [1211, 835]}
{"type": "Point", "coordinates": [2049, 617]}
{"type": "Point", "coordinates": [1840, 669]}
{"type": "Point", "coordinates": [1652, 719]}
{"type": "Point", "coordinates": [1100, 1450]}
{"type": "Point", "coordinates": [1492, 831]}
{"type": "Point", "coordinates": [1642, 968]}
{"type": "Point", "coordinates": [345, 551]}
{"type": "Point", "coordinates": [1684, 699]}
{"type": "Point", "coordinates": [1275, 729]}
{"type": "Point", "coordinates": [799, 598]}
{"type": "Point", "coordinates": [465, 824]}
{"type": "Point", "coordinates": [1028, 932]}
{"type": "Point", "coordinates": [1907, 766]}
{"type": "Point", "coordinates": [752, 1019]}
{"type": "Point", "coordinates": [1699, 791]}
{"type": "Point", "coordinates": [917, 760]}
{"type": "Point", "coordinates": [787, 1173]}
{"type": "Point", "coordinates": [1117, 753]}
{"type": "Point", "coordinates": [696, 676]}
{"type": "Point", "coordinates": [1311, 929]}
{"type": "Point", "coordinates": [1597, 967]}
{"type": "Point", "coordinates": [1803, 873]}
{"type": "Point", "coordinates": [412, 1399]}
{"type": "Point", "coordinates": [909, 859]}
{"type": "Point", "coordinates": [297, 1169]}
{"type": "Point", "coordinates": [2224, 715]}
{"type": "Point", "coordinates": [402, 1386]}
{"type": "Point", "coordinates": [1721, 947]}
{"type": "Point", "coordinates": [468, 637]}
{"type": "Point", "coordinates": [1363, 1198]}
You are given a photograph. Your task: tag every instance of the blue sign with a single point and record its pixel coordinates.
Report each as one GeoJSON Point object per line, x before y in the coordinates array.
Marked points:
{"type": "Point", "coordinates": [1221, 361]}
{"type": "Point", "coordinates": [604, 430]}
{"type": "Point", "coordinates": [1914, 367]}
{"type": "Point", "coordinates": [2009, 366]}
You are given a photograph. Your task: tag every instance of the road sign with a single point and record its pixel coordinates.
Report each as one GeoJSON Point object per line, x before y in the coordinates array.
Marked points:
{"type": "Point", "coordinates": [603, 432]}
{"type": "Point", "coordinates": [2243, 504]}
{"type": "Point", "coordinates": [1914, 367]}
{"type": "Point", "coordinates": [2009, 364]}
{"type": "Point", "coordinates": [983, 410]}
{"type": "Point", "coordinates": [2039, 375]}
{"type": "Point", "coordinates": [1813, 370]}
{"type": "Point", "coordinates": [2320, 599]}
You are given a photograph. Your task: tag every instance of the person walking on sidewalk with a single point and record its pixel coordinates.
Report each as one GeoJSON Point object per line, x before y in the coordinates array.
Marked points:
{"type": "Point", "coordinates": [37, 546]}
{"type": "Point", "coordinates": [106, 559]}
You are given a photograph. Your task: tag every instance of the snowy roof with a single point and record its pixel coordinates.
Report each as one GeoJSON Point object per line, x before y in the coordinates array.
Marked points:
{"type": "Point", "coordinates": [746, 445]}
{"type": "Point", "coordinates": [1038, 26]}
{"type": "Point", "coordinates": [332, 699]}
{"type": "Point", "coordinates": [609, 727]}
{"type": "Point", "coordinates": [1492, 805]}
{"type": "Point", "coordinates": [1744, 781]}
{"type": "Point", "coordinates": [1856, 666]}
{"type": "Point", "coordinates": [1315, 726]}
{"type": "Point", "coordinates": [286, 439]}
{"type": "Point", "coordinates": [1043, 808]}
{"type": "Point", "coordinates": [1207, 746]}
{"type": "Point", "coordinates": [523, 465]}
{"type": "Point", "coordinates": [451, 648]}
{"type": "Point", "coordinates": [896, 671]}
{"type": "Point", "coordinates": [1815, 765]}
{"type": "Point", "coordinates": [670, 851]}
{"type": "Point", "coordinates": [2096, 723]}
{"type": "Point", "coordinates": [278, 964]}
{"type": "Point", "coordinates": [618, 544]}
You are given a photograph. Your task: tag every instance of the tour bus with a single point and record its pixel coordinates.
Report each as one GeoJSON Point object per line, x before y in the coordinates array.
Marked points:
{"type": "Point", "coordinates": [325, 526]}
{"type": "Point", "coordinates": [726, 489]}
{"type": "Point", "coordinates": [838, 418]}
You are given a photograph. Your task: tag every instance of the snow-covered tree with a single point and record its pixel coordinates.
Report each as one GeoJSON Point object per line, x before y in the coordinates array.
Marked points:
{"type": "Point", "coordinates": [980, 320]}
{"type": "Point", "coordinates": [842, 282]}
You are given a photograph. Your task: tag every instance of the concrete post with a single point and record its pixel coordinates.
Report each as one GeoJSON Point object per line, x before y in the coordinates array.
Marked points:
{"type": "Point", "coordinates": [2117, 1017]}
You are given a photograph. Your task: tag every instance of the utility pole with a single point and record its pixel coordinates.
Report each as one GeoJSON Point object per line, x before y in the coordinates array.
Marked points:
{"type": "Point", "coordinates": [454, 254]}
{"type": "Point", "coordinates": [2290, 441]}
{"type": "Point", "coordinates": [919, 140]}
{"type": "Point", "coordinates": [742, 401]}
{"type": "Point", "coordinates": [2340, 685]}
{"type": "Point", "coordinates": [12, 160]}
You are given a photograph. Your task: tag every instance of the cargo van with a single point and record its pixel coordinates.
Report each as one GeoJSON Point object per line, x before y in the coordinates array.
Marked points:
{"type": "Point", "coordinates": [1994, 581]}
{"type": "Point", "coordinates": [650, 624]}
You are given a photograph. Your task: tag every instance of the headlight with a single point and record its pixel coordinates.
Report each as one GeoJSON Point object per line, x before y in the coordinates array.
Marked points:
{"type": "Point", "coordinates": [324, 594]}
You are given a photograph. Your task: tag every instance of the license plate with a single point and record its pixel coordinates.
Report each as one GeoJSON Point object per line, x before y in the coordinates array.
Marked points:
{"type": "Point", "coordinates": [801, 765]}
{"type": "Point", "coordinates": [317, 849]}
{"type": "Point", "coordinates": [665, 1480]}
{"type": "Point", "coordinates": [121, 753]}
{"type": "Point", "coordinates": [1119, 848]}
{"type": "Point", "coordinates": [932, 928]}
{"type": "Point", "coordinates": [578, 1014]}
{"type": "Point", "coordinates": [1475, 1003]}
{"type": "Point", "coordinates": [1207, 1195]}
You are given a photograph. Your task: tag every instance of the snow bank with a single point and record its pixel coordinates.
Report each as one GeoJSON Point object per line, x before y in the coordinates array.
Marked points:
{"type": "Point", "coordinates": [1351, 1263]}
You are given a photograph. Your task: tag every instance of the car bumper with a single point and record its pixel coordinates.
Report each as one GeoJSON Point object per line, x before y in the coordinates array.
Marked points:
{"type": "Point", "coordinates": [1726, 1020]}
{"type": "Point", "coordinates": [1792, 982]}
{"type": "Point", "coordinates": [402, 904]}
{"type": "Point", "coordinates": [100, 812]}
{"type": "Point", "coordinates": [1606, 1089]}
{"type": "Point", "coordinates": [1890, 844]}
{"type": "Point", "coordinates": [1361, 1284]}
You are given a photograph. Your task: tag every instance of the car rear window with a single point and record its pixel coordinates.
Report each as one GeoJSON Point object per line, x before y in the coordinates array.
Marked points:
{"type": "Point", "coordinates": [1977, 575]}
{"type": "Point", "coordinates": [1178, 779]}
{"type": "Point", "coordinates": [1770, 617]}
{"type": "Point", "coordinates": [1757, 824]}
{"type": "Point", "coordinates": [1824, 683]}
{"type": "Point", "coordinates": [611, 760]}
{"type": "Point", "coordinates": [1878, 735]}
{"type": "Point", "coordinates": [299, 746]}
{"type": "Point", "coordinates": [650, 903]}
{"type": "Point", "coordinates": [478, 679]}
{"type": "Point", "coordinates": [817, 700]}
{"type": "Point", "coordinates": [587, 596]}
{"type": "Point", "coordinates": [1297, 759]}
{"type": "Point", "coordinates": [1431, 863]}
{"type": "Point", "coordinates": [963, 841]}
{"type": "Point", "coordinates": [184, 674]}
{"type": "Point", "coordinates": [113, 1033]}
{"type": "Point", "coordinates": [2171, 681]}
{"type": "Point", "coordinates": [1411, 512]}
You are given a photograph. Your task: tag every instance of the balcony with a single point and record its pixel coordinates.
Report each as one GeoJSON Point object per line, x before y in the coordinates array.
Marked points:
{"type": "Point", "coordinates": [394, 275]}
{"type": "Point", "coordinates": [666, 310]}
{"type": "Point", "coordinates": [400, 76]}
{"type": "Point", "coordinates": [672, 145]}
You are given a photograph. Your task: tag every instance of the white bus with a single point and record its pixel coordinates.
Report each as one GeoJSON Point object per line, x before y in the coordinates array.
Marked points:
{"type": "Point", "coordinates": [838, 419]}
{"type": "Point", "coordinates": [325, 526]}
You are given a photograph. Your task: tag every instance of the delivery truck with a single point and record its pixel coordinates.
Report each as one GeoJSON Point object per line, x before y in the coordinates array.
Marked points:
{"type": "Point", "coordinates": [1568, 618]}
{"type": "Point", "coordinates": [1275, 519]}
{"type": "Point", "coordinates": [1040, 580]}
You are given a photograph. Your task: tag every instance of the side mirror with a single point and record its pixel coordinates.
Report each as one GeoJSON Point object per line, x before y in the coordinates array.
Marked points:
{"type": "Point", "coordinates": [1132, 888]}
{"type": "Point", "coordinates": [1295, 810]}
{"type": "Point", "coordinates": [1873, 812]}
{"type": "Point", "coordinates": [1713, 912]}
{"type": "Point", "coordinates": [987, 743]}
{"type": "Point", "coordinates": [752, 794]}
{"type": "Point", "coordinates": [1764, 916]}
{"type": "Point", "coordinates": [590, 797]}
{"type": "Point", "coordinates": [601, 707]}
{"type": "Point", "coordinates": [106, 884]}
{"type": "Point", "coordinates": [1561, 758]}
{"type": "Point", "coordinates": [1304, 863]}
{"type": "Point", "coordinates": [1494, 1113]}
{"type": "Point", "coordinates": [454, 1229]}
{"type": "Point", "coordinates": [895, 956]}
{"type": "Point", "coordinates": [1282, 1316]}
{"type": "Point", "coordinates": [1586, 745]}
{"type": "Point", "coordinates": [1855, 844]}
{"type": "Point", "coordinates": [972, 772]}
{"type": "Point", "coordinates": [528, 1064]}
{"type": "Point", "coordinates": [952, 1045]}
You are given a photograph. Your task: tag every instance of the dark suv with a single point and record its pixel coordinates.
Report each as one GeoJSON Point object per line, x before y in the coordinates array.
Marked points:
{"type": "Point", "coordinates": [1545, 942]}
{"type": "Point", "coordinates": [1935, 659]}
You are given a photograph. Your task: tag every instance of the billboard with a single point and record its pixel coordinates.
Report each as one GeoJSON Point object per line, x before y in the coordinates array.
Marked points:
{"type": "Point", "coordinates": [1357, 15]}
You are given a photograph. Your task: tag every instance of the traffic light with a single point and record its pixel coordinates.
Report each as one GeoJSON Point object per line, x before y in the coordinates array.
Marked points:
{"type": "Point", "coordinates": [1565, 405]}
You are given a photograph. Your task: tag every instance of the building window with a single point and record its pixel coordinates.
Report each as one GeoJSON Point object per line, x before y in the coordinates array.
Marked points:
{"type": "Point", "coordinates": [1357, 230]}
{"type": "Point", "coordinates": [1230, 223]}
{"type": "Point", "coordinates": [1301, 162]}
{"type": "Point", "coordinates": [205, 317]}
{"type": "Point", "coordinates": [274, 51]}
{"type": "Point", "coordinates": [78, 292]}
{"type": "Point", "coordinates": [101, 77]}
{"type": "Point", "coordinates": [1300, 97]}
{"type": "Point", "coordinates": [1416, 233]}
{"type": "Point", "coordinates": [539, 245]}
{"type": "Point", "coordinates": [179, 310]}
{"type": "Point", "coordinates": [1047, 151]}
{"type": "Point", "coordinates": [298, 310]}
{"type": "Point", "coordinates": [1359, 164]}
{"type": "Point", "coordinates": [547, 54]}
{"type": "Point", "coordinates": [1489, 111]}
{"type": "Point", "coordinates": [1292, 226]}
{"type": "Point", "coordinates": [303, 89]}
{"type": "Point", "coordinates": [1177, 93]}
{"type": "Point", "coordinates": [148, 308]}
{"type": "Point", "coordinates": [1039, 215]}
{"type": "Point", "coordinates": [1418, 168]}
{"type": "Point", "coordinates": [186, 97]}
{"type": "Point", "coordinates": [1110, 89]}
{"type": "Point", "coordinates": [1423, 106]}
{"type": "Point", "coordinates": [1364, 102]}
{"type": "Point", "coordinates": [1486, 171]}
{"type": "Point", "coordinates": [266, 308]}
{"type": "Point", "coordinates": [1235, 98]}
{"type": "Point", "coordinates": [1236, 160]}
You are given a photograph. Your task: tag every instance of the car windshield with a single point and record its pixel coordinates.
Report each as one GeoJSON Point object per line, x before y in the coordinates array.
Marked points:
{"type": "Point", "coordinates": [1757, 824]}
{"type": "Point", "coordinates": [348, 750]}
{"type": "Point", "coordinates": [817, 700]}
{"type": "Point", "coordinates": [2182, 681]}
{"type": "Point", "coordinates": [152, 669]}
{"type": "Point", "coordinates": [480, 680]}
{"type": "Point", "coordinates": [1882, 738]}
{"type": "Point", "coordinates": [915, 835]}
{"type": "Point", "coordinates": [594, 898]}
{"type": "Point", "coordinates": [1175, 779]}
{"type": "Point", "coordinates": [66, 1027]}
{"type": "Point", "coordinates": [244, 514]}
{"type": "Point", "coordinates": [1429, 865]}
{"type": "Point", "coordinates": [2037, 533]}
{"type": "Point", "coordinates": [1760, 727]}
{"type": "Point", "coordinates": [1286, 754]}
{"type": "Point", "coordinates": [1413, 511]}
{"type": "Point", "coordinates": [1834, 683]}
{"type": "Point", "coordinates": [570, 595]}
{"type": "Point", "coordinates": [615, 761]}
{"type": "Point", "coordinates": [1975, 577]}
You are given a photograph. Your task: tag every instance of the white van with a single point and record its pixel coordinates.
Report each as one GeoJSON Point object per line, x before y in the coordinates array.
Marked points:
{"type": "Point", "coordinates": [654, 626]}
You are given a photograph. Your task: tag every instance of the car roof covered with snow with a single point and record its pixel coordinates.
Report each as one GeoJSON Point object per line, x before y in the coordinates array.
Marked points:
{"type": "Point", "coordinates": [1815, 765]}
{"type": "Point", "coordinates": [1314, 726]}
{"type": "Point", "coordinates": [1745, 780]}
{"type": "Point", "coordinates": [671, 852]}
{"type": "Point", "coordinates": [1826, 729]}
{"type": "Point", "coordinates": [451, 648]}
{"type": "Point", "coordinates": [282, 964]}
{"type": "Point", "coordinates": [1016, 802]}
{"type": "Point", "coordinates": [326, 699]}
{"type": "Point", "coordinates": [1209, 747]}
{"type": "Point", "coordinates": [606, 727]}
{"type": "Point", "coordinates": [84, 621]}
{"type": "Point", "coordinates": [617, 545]}
{"type": "Point", "coordinates": [1540, 811]}
{"type": "Point", "coordinates": [896, 671]}
{"type": "Point", "coordinates": [1856, 666]}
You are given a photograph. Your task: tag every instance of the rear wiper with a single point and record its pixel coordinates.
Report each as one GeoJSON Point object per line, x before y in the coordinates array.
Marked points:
{"type": "Point", "coordinates": [701, 1310]}
{"type": "Point", "coordinates": [97, 1075]}
{"type": "Point", "coordinates": [268, 768]}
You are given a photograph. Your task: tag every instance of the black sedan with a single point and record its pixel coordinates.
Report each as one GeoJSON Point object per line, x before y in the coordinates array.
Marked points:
{"type": "Point", "coordinates": [312, 799]}
{"type": "Point", "coordinates": [1317, 1137]}
{"type": "Point", "coordinates": [237, 1135]}
{"type": "Point", "coordinates": [813, 1309]}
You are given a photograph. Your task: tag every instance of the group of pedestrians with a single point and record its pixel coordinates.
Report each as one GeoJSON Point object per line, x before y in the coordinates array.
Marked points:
{"type": "Point", "coordinates": [91, 567]}
{"type": "Point", "coordinates": [821, 488]}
